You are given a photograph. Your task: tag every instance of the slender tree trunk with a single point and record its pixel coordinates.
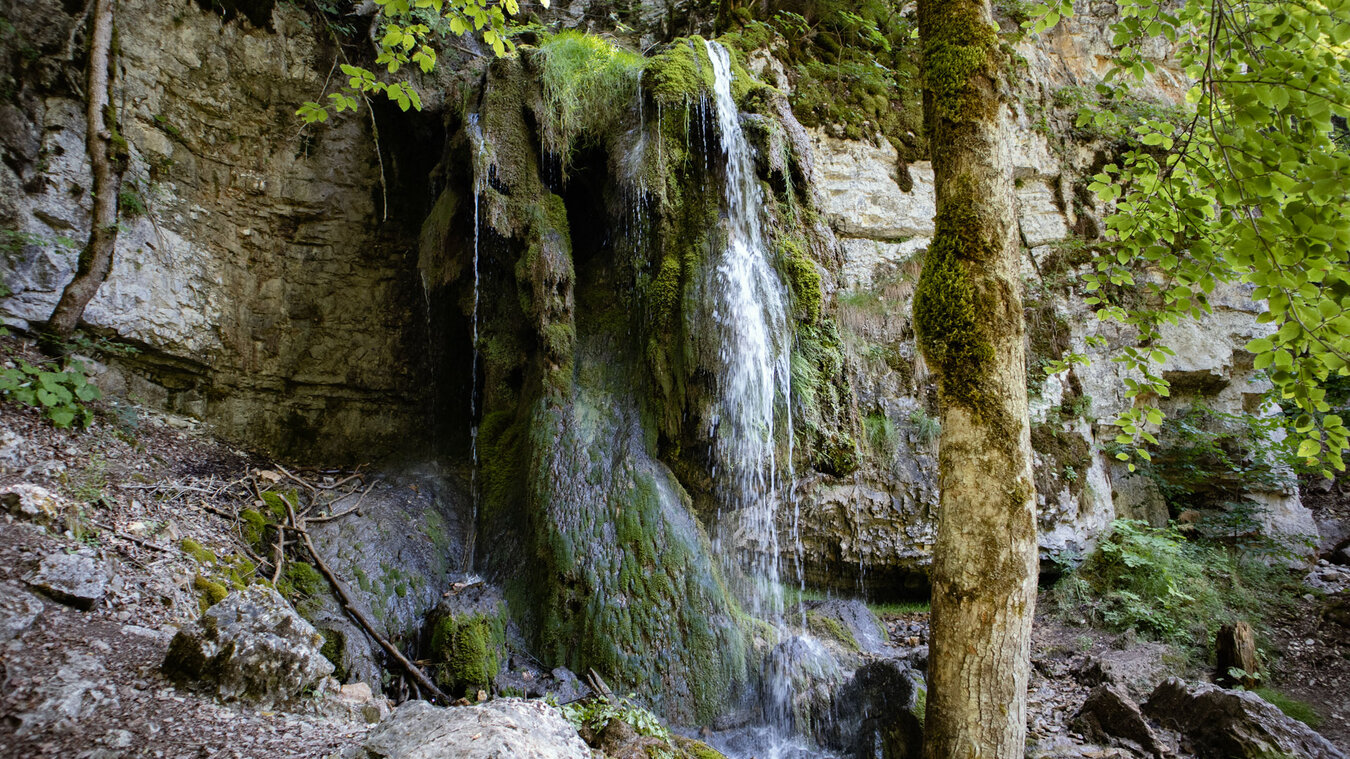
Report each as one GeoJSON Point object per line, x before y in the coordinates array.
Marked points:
{"type": "Point", "coordinates": [107, 160]}
{"type": "Point", "coordinates": [968, 314]}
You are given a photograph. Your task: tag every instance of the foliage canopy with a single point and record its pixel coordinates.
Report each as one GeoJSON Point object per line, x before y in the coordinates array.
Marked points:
{"type": "Point", "coordinates": [1251, 188]}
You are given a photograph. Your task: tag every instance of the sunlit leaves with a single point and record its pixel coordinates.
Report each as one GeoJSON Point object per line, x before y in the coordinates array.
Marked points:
{"type": "Point", "coordinates": [1252, 187]}
{"type": "Point", "coordinates": [408, 29]}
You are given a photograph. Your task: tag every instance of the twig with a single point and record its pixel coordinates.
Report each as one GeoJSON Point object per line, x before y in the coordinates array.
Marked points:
{"type": "Point", "coordinates": [287, 472]}
{"type": "Point", "coordinates": [418, 677]}
{"type": "Point", "coordinates": [331, 517]}
{"type": "Point", "coordinates": [278, 557]}
{"type": "Point", "coordinates": [132, 538]}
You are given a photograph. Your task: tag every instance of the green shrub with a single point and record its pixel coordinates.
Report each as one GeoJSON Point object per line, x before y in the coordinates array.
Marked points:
{"type": "Point", "coordinates": [597, 712]}
{"type": "Point", "coordinates": [882, 433]}
{"type": "Point", "coordinates": [61, 395]}
{"type": "Point", "coordinates": [1163, 585]}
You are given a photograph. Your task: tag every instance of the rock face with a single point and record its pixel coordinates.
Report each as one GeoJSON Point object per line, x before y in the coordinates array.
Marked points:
{"type": "Point", "coordinates": [77, 579]}
{"type": "Point", "coordinates": [395, 556]}
{"type": "Point", "coordinates": [250, 647]}
{"type": "Point", "coordinates": [1227, 724]}
{"type": "Point", "coordinates": [252, 271]}
{"type": "Point", "coordinates": [502, 728]}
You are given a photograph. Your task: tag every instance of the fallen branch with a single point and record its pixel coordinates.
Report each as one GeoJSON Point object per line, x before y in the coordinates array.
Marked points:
{"type": "Point", "coordinates": [420, 680]}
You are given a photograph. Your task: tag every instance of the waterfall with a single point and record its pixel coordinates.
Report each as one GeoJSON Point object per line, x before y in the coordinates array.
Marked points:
{"type": "Point", "coordinates": [753, 411]}
{"type": "Point", "coordinates": [749, 328]}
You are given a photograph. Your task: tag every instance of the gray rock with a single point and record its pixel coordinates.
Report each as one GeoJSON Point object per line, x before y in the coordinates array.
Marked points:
{"type": "Point", "coordinates": [503, 728]}
{"type": "Point", "coordinates": [1109, 715]}
{"type": "Point", "coordinates": [252, 647]}
{"type": "Point", "coordinates": [880, 706]}
{"type": "Point", "coordinates": [1136, 669]}
{"type": "Point", "coordinates": [854, 619]}
{"type": "Point", "coordinates": [75, 579]}
{"type": "Point", "coordinates": [18, 609]}
{"type": "Point", "coordinates": [79, 687]}
{"type": "Point", "coordinates": [33, 503]}
{"type": "Point", "coordinates": [1230, 724]}
{"type": "Point", "coordinates": [800, 678]}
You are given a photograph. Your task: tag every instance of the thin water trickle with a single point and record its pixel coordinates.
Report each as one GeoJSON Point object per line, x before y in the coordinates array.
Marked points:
{"type": "Point", "coordinates": [481, 167]}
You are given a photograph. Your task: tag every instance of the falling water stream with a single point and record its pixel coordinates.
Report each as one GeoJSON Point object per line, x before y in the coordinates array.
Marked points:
{"type": "Point", "coordinates": [752, 415]}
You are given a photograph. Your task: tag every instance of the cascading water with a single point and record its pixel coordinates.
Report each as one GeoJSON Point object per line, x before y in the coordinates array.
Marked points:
{"type": "Point", "coordinates": [749, 327]}
{"type": "Point", "coordinates": [752, 415]}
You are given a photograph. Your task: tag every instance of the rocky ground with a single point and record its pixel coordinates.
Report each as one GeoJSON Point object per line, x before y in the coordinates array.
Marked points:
{"type": "Point", "coordinates": [109, 511]}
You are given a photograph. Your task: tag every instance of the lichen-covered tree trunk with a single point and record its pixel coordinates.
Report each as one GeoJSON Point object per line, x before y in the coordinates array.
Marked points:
{"type": "Point", "coordinates": [968, 314]}
{"type": "Point", "coordinates": [107, 160]}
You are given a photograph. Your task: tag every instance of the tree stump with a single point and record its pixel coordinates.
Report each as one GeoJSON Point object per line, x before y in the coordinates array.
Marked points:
{"type": "Point", "coordinates": [1235, 651]}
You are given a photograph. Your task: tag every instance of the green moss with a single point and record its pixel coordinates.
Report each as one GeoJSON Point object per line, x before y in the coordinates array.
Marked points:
{"type": "Point", "coordinates": [958, 48]}
{"type": "Point", "coordinates": [949, 331]}
{"type": "Point", "coordinates": [803, 278]}
{"type": "Point", "coordinates": [196, 551]}
{"type": "Point", "coordinates": [680, 73]}
{"type": "Point", "coordinates": [301, 580]}
{"type": "Point", "coordinates": [276, 503]}
{"type": "Point", "coordinates": [589, 87]}
{"type": "Point", "coordinates": [253, 525]}
{"type": "Point", "coordinates": [335, 650]}
{"type": "Point", "coordinates": [829, 627]}
{"type": "Point", "coordinates": [211, 591]}
{"type": "Point", "coordinates": [825, 416]}
{"type": "Point", "coordinates": [469, 651]}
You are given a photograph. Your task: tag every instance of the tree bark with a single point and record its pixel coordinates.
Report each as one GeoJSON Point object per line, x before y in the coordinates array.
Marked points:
{"type": "Point", "coordinates": [107, 160]}
{"type": "Point", "coordinates": [968, 315]}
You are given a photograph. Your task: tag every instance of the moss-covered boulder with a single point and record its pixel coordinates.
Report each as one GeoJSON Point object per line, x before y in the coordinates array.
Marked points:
{"type": "Point", "coordinates": [467, 640]}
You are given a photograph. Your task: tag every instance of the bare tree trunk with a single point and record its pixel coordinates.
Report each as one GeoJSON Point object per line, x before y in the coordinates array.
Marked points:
{"type": "Point", "coordinates": [968, 314]}
{"type": "Point", "coordinates": [107, 160]}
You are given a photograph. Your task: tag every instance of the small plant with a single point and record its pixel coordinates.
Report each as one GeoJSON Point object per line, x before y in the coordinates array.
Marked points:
{"type": "Point", "coordinates": [881, 433]}
{"type": "Point", "coordinates": [597, 712]}
{"type": "Point", "coordinates": [61, 395]}
{"type": "Point", "coordinates": [927, 428]}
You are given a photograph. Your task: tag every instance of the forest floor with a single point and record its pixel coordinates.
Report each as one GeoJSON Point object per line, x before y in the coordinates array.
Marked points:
{"type": "Point", "coordinates": [77, 683]}
{"type": "Point", "coordinates": [137, 483]}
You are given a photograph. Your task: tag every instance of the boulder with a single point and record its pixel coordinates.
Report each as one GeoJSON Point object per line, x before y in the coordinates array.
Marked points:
{"type": "Point", "coordinates": [75, 579]}
{"type": "Point", "coordinates": [252, 647]}
{"type": "Point", "coordinates": [881, 706]}
{"type": "Point", "coordinates": [18, 609]}
{"type": "Point", "coordinates": [468, 639]}
{"type": "Point", "coordinates": [507, 727]}
{"type": "Point", "coordinates": [1136, 668]}
{"type": "Point", "coordinates": [800, 678]}
{"type": "Point", "coordinates": [1110, 716]}
{"type": "Point", "coordinates": [850, 622]}
{"type": "Point", "coordinates": [33, 503]}
{"type": "Point", "coordinates": [1231, 724]}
